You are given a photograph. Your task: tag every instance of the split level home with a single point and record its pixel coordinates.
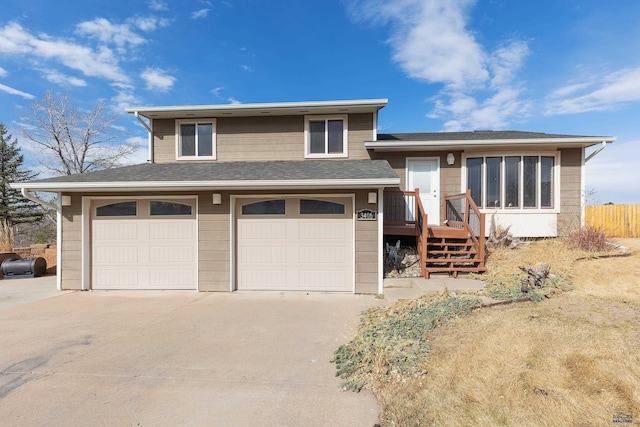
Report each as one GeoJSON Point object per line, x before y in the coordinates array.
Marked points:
{"type": "Point", "coordinates": [302, 196]}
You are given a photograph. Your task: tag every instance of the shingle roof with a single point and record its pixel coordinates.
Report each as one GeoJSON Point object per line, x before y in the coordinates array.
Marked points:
{"type": "Point", "coordinates": [234, 173]}
{"type": "Point", "coordinates": [478, 135]}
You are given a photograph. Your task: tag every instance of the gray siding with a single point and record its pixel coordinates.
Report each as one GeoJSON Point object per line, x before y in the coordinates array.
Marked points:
{"type": "Point", "coordinates": [570, 190]}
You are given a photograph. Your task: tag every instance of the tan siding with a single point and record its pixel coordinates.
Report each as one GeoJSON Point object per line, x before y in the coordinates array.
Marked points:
{"type": "Point", "coordinates": [367, 248]}
{"type": "Point", "coordinates": [214, 244]}
{"type": "Point", "coordinates": [164, 141]}
{"type": "Point", "coordinates": [570, 189]}
{"type": "Point", "coordinates": [70, 267]}
{"type": "Point", "coordinates": [261, 138]}
{"type": "Point", "coordinates": [360, 130]}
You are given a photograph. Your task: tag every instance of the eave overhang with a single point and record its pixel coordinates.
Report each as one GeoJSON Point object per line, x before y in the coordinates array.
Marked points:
{"type": "Point", "coordinates": [447, 145]}
{"type": "Point", "coordinates": [135, 186]}
{"type": "Point", "coordinates": [261, 109]}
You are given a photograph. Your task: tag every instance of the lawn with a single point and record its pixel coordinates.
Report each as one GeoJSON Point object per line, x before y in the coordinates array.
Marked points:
{"type": "Point", "coordinates": [571, 359]}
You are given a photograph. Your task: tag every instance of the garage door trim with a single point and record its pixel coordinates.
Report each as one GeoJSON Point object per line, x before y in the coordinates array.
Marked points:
{"type": "Point", "coordinates": [87, 203]}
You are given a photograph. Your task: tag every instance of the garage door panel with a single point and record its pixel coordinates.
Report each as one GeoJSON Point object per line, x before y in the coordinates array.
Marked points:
{"type": "Point", "coordinates": [323, 230]}
{"type": "Point", "coordinates": [324, 279]}
{"type": "Point", "coordinates": [172, 255]}
{"type": "Point", "coordinates": [168, 230]}
{"type": "Point", "coordinates": [116, 254]}
{"type": "Point", "coordinates": [263, 280]}
{"type": "Point", "coordinates": [106, 230]}
{"type": "Point", "coordinates": [323, 255]}
{"type": "Point", "coordinates": [117, 278]}
{"type": "Point", "coordinates": [171, 279]}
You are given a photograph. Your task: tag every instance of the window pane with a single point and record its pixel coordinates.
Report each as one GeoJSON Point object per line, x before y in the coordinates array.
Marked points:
{"type": "Point", "coordinates": [546, 182]}
{"type": "Point", "coordinates": [530, 178]}
{"type": "Point", "coordinates": [474, 179]}
{"type": "Point", "coordinates": [336, 134]}
{"type": "Point", "coordinates": [493, 182]}
{"type": "Point", "coordinates": [316, 137]}
{"type": "Point", "coordinates": [512, 182]}
{"type": "Point", "coordinates": [168, 208]}
{"type": "Point", "coordinates": [118, 209]}
{"type": "Point", "coordinates": [267, 207]}
{"type": "Point", "coordinates": [188, 140]}
{"type": "Point", "coordinates": [205, 139]}
{"type": "Point", "coordinates": [318, 207]}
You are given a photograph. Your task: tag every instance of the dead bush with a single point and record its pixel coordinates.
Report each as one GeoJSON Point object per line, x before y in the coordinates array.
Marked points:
{"type": "Point", "coordinates": [588, 238]}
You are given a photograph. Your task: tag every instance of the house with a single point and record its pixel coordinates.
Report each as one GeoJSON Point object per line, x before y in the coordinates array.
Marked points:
{"type": "Point", "coordinates": [300, 196]}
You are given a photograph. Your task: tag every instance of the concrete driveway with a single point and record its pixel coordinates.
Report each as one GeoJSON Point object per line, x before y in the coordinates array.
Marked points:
{"type": "Point", "coordinates": [177, 358]}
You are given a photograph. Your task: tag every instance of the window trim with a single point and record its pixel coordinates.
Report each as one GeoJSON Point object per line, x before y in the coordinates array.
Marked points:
{"type": "Point", "coordinates": [520, 209]}
{"type": "Point", "coordinates": [178, 141]}
{"type": "Point", "coordinates": [326, 118]}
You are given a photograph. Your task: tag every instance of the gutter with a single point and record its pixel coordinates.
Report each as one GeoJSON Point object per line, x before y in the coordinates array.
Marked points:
{"type": "Point", "coordinates": [150, 135]}
{"type": "Point", "coordinates": [603, 145]}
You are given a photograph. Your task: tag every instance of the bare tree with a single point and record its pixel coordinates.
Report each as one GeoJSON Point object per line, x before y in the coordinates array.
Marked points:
{"type": "Point", "coordinates": [71, 140]}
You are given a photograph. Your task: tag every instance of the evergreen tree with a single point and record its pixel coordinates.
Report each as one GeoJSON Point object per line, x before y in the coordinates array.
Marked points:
{"type": "Point", "coordinates": [14, 209]}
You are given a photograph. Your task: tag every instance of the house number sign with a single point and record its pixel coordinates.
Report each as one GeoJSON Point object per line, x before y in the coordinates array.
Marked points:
{"type": "Point", "coordinates": [366, 215]}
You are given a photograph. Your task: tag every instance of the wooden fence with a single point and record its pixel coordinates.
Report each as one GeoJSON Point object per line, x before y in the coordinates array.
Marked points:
{"type": "Point", "coordinates": [616, 220]}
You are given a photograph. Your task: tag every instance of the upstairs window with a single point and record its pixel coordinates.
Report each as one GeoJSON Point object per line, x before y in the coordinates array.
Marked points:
{"type": "Point", "coordinates": [196, 139]}
{"type": "Point", "coordinates": [512, 182]}
{"type": "Point", "coordinates": [326, 136]}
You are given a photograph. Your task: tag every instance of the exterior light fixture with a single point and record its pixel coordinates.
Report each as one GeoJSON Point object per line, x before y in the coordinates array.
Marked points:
{"type": "Point", "coordinates": [373, 197]}
{"type": "Point", "coordinates": [217, 198]}
{"type": "Point", "coordinates": [450, 159]}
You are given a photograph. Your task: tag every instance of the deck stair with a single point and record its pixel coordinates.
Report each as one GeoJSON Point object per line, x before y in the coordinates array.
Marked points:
{"type": "Point", "coordinates": [452, 251]}
{"type": "Point", "coordinates": [457, 247]}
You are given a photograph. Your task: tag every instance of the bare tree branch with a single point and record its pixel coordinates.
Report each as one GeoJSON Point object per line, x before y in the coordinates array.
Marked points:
{"type": "Point", "coordinates": [72, 141]}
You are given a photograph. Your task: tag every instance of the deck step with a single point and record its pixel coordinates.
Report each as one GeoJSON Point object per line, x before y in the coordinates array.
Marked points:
{"type": "Point", "coordinates": [447, 232]}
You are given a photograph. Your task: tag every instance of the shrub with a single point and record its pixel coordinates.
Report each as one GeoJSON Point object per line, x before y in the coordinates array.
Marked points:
{"type": "Point", "coordinates": [588, 238]}
{"type": "Point", "coordinates": [6, 236]}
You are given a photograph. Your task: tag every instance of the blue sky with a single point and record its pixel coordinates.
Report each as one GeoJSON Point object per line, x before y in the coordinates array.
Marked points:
{"type": "Point", "coordinates": [555, 66]}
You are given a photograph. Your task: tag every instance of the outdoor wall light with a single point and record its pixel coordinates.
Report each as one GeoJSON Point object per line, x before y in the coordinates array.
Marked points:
{"type": "Point", "coordinates": [451, 159]}
{"type": "Point", "coordinates": [217, 198]}
{"type": "Point", "coordinates": [65, 200]}
{"type": "Point", "coordinates": [373, 197]}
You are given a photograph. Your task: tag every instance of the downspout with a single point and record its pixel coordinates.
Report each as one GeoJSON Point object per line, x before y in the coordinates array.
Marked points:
{"type": "Point", "coordinates": [603, 145]}
{"type": "Point", "coordinates": [150, 137]}
{"type": "Point", "coordinates": [29, 196]}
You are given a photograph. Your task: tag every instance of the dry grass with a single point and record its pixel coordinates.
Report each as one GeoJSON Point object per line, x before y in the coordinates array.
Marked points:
{"type": "Point", "coordinates": [6, 237]}
{"type": "Point", "coordinates": [571, 360]}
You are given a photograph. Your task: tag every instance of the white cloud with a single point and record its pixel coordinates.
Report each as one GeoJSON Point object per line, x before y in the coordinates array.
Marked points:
{"type": "Point", "coordinates": [157, 79]}
{"type": "Point", "coordinates": [158, 5]}
{"type": "Point", "coordinates": [233, 101]}
{"type": "Point", "coordinates": [13, 91]}
{"type": "Point", "coordinates": [216, 91]}
{"type": "Point", "coordinates": [599, 93]}
{"type": "Point", "coordinates": [246, 68]}
{"type": "Point", "coordinates": [202, 13]}
{"type": "Point", "coordinates": [57, 77]}
{"type": "Point", "coordinates": [120, 35]}
{"type": "Point", "coordinates": [125, 97]}
{"type": "Point", "coordinates": [14, 39]}
{"type": "Point", "coordinates": [431, 42]}
{"type": "Point", "coordinates": [3, 72]}
{"type": "Point", "coordinates": [149, 23]}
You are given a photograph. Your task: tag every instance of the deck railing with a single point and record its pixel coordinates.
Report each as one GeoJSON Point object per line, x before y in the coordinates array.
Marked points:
{"type": "Point", "coordinates": [463, 213]}
{"type": "Point", "coordinates": [404, 208]}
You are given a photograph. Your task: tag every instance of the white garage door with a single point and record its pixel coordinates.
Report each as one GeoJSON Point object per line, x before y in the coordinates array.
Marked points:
{"type": "Point", "coordinates": [144, 244]}
{"type": "Point", "coordinates": [295, 244]}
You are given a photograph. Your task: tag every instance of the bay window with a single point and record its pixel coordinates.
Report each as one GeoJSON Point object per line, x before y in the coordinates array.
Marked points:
{"type": "Point", "coordinates": [511, 182]}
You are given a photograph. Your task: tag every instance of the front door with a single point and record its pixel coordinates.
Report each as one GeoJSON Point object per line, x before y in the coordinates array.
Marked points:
{"type": "Point", "coordinates": [424, 174]}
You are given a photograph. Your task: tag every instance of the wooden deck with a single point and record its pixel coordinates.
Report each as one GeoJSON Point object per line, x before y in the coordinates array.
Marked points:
{"type": "Point", "coordinates": [453, 248]}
